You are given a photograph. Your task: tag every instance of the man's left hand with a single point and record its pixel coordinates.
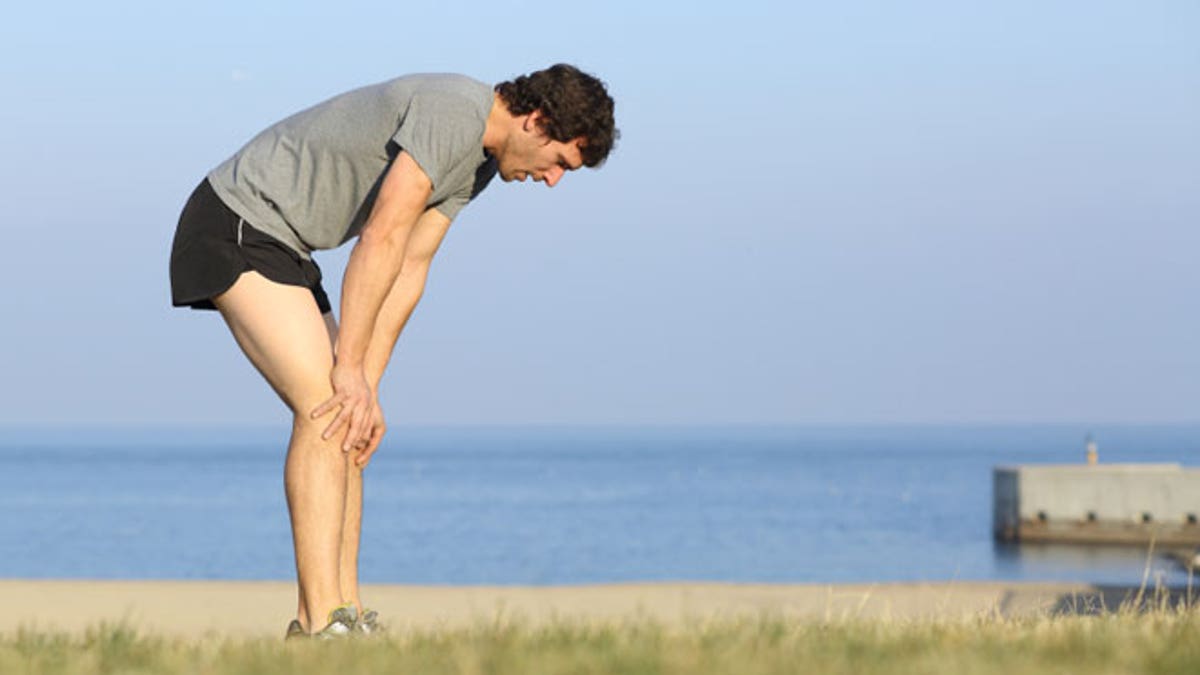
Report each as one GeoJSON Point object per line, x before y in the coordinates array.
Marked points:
{"type": "Point", "coordinates": [357, 402]}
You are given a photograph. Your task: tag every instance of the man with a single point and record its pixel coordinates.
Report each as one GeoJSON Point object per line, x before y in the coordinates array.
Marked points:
{"type": "Point", "coordinates": [391, 164]}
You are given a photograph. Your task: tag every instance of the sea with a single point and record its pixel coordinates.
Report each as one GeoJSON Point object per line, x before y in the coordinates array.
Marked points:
{"type": "Point", "coordinates": [545, 505]}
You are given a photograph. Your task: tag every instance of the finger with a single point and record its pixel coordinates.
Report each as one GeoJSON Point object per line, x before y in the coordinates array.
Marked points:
{"type": "Point", "coordinates": [343, 416]}
{"type": "Point", "coordinates": [364, 430]}
{"type": "Point", "coordinates": [372, 423]}
{"type": "Point", "coordinates": [376, 438]}
{"type": "Point", "coordinates": [354, 433]}
{"type": "Point", "coordinates": [364, 449]}
{"type": "Point", "coordinates": [364, 457]}
{"type": "Point", "coordinates": [328, 405]}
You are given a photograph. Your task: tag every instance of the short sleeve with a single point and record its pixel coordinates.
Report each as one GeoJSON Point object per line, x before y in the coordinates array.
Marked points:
{"type": "Point", "coordinates": [439, 132]}
{"type": "Point", "coordinates": [455, 202]}
{"type": "Point", "coordinates": [450, 206]}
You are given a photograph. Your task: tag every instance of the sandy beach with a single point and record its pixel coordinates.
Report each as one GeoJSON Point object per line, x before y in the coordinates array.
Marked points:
{"type": "Point", "coordinates": [190, 608]}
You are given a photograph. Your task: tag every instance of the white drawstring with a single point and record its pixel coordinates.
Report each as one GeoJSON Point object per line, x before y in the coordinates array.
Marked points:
{"type": "Point", "coordinates": [240, 223]}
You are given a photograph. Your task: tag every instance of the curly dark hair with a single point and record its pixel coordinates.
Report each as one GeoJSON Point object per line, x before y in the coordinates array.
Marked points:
{"type": "Point", "coordinates": [573, 104]}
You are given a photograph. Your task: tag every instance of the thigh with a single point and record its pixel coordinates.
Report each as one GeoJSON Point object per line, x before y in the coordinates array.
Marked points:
{"type": "Point", "coordinates": [283, 333]}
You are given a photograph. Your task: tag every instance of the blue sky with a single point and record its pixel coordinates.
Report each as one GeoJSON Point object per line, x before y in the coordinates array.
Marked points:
{"type": "Point", "coordinates": [861, 212]}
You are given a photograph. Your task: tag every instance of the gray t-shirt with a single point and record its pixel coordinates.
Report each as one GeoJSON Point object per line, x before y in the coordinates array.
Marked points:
{"type": "Point", "coordinates": [311, 180]}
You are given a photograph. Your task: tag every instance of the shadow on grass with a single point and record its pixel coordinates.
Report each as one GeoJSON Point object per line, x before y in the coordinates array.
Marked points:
{"type": "Point", "coordinates": [1101, 600]}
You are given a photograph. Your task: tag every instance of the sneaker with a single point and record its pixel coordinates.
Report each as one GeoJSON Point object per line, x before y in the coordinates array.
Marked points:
{"type": "Point", "coordinates": [295, 630]}
{"type": "Point", "coordinates": [368, 624]}
{"type": "Point", "coordinates": [341, 624]}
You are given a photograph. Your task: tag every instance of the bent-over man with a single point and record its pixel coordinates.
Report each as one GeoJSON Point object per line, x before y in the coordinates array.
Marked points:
{"type": "Point", "coordinates": [389, 165]}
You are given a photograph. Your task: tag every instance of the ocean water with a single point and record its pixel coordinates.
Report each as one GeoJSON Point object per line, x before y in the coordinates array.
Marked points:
{"type": "Point", "coordinates": [565, 505]}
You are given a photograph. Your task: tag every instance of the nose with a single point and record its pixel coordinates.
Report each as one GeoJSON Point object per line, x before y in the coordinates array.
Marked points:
{"type": "Point", "coordinates": [552, 176]}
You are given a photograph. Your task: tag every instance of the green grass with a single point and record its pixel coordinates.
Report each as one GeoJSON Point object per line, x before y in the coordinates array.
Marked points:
{"type": "Point", "coordinates": [1158, 642]}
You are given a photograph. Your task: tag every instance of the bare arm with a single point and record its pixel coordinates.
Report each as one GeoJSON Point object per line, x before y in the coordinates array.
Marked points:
{"type": "Point", "coordinates": [378, 256]}
{"type": "Point", "coordinates": [426, 237]}
{"type": "Point", "coordinates": [401, 300]}
{"type": "Point", "coordinates": [374, 265]}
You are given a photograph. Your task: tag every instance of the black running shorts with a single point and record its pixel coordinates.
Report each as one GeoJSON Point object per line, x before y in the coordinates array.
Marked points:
{"type": "Point", "coordinates": [213, 246]}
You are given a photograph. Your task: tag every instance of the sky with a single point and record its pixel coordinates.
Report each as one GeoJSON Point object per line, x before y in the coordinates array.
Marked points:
{"type": "Point", "coordinates": [818, 213]}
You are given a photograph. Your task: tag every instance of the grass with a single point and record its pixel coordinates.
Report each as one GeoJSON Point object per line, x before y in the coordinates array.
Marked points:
{"type": "Point", "coordinates": [1161, 641]}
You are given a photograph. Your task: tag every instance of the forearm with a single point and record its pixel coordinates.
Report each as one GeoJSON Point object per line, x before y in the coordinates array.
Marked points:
{"type": "Point", "coordinates": [401, 300]}
{"type": "Point", "coordinates": [378, 256]}
{"type": "Point", "coordinates": [371, 273]}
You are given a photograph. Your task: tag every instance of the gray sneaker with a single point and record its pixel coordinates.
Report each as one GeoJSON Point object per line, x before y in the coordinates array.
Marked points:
{"type": "Point", "coordinates": [368, 624]}
{"type": "Point", "coordinates": [295, 630]}
{"type": "Point", "coordinates": [341, 624]}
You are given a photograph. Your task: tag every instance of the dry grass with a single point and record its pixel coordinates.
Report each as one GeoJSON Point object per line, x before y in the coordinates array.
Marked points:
{"type": "Point", "coordinates": [1163, 640]}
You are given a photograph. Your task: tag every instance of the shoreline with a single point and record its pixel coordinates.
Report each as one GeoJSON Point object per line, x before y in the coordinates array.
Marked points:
{"type": "Point", "coordinates": [263, 608]}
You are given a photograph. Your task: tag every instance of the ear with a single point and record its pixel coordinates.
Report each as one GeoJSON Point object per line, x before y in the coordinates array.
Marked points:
{"type": "Point", "coordinates": [533, 122]}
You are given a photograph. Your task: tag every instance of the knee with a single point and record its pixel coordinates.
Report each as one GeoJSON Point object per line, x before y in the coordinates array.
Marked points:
{"type": "Point", "coordinates": [302, 404]}
{"type": "Point", "coordinates": [311, 392]}
{"type": "Point", "coordinates": [311, 431]}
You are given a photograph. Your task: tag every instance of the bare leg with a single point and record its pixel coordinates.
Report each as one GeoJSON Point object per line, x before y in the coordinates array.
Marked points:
{"type": "Point", "coordinates": [352, 523]}
{"type": "Point", "coordinates": [351, 530]}
{"type": "Point", "coordinates": [284, 335]}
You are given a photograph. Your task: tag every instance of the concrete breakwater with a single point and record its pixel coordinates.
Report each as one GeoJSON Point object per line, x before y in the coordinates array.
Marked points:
{"type": "Point", "coordinates": [1098, 504]}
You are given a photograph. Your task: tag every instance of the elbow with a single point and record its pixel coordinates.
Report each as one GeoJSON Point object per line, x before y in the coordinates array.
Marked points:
{"type": "Point", "coordinates": [387, 234]}
{"type": "Point", "coordinates": [375, 244]}
{"type": "Point", "coordinates": [377, 237]}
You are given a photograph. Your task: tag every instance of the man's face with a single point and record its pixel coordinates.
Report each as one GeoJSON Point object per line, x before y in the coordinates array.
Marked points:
{"type": "Point", "coordinates": [530, 153]}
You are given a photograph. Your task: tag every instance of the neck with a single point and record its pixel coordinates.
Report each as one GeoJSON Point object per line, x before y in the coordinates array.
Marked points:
{"type": "Point", "coordinates": [499, 126]}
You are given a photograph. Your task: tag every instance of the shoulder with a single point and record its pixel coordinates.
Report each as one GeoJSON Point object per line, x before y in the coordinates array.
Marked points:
{"type": "Point", "coordinates": [447, 94]}
{"type": "Point", "coordinates": [451, 108]}
{"type": "Point", "coordinates": [442, 128]}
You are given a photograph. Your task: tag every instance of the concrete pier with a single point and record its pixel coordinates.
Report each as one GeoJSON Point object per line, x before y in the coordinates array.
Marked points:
{"type": "Point", "coordinates": [1098, 504]}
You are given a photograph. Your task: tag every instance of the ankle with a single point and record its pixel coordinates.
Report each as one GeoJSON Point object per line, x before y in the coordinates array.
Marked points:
{"type": "Point", "coordinates": [318, 617]}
